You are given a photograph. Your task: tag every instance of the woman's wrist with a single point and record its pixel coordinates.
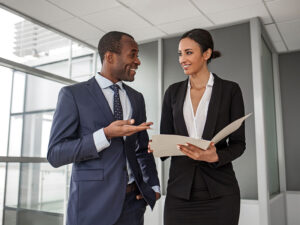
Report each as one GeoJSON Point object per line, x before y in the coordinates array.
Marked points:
{"type": "Point", "coordinates": [210, 156]}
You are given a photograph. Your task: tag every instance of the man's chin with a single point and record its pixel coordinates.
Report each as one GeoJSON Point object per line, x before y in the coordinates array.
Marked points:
{"type": "Point", "coordinates": [129, 79]}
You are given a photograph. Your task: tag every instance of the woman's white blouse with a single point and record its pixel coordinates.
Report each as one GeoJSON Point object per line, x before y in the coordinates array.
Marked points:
{"type": "Point", "coordinates": [195, 123]}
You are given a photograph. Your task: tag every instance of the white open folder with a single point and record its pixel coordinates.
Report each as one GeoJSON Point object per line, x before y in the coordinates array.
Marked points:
{"type": "Point", "coordinates": [166, 145]}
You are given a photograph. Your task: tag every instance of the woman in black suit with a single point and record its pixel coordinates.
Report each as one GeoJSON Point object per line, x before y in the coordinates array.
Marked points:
{"type": "Point", "coordinates": [202, 187]}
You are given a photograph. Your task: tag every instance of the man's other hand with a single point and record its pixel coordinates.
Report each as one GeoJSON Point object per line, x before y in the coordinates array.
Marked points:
{"type": "Point", "coordinates": [157, 196]}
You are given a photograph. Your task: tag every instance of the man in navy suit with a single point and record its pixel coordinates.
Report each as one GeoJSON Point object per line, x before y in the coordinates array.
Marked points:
{"type": "Point", "coordinates": [100, 126]}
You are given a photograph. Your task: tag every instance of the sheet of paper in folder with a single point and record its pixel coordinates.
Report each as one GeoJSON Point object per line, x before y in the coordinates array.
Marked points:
{"type": "Point", "coordinates": [166, 145]}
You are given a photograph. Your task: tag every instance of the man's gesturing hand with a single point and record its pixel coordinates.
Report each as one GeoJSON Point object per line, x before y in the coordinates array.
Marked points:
{"type": "Point", "coordinates": [120, 128]}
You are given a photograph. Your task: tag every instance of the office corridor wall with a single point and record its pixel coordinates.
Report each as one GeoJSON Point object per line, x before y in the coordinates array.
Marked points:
{"type": "Point", "coordinates": [289, 69]}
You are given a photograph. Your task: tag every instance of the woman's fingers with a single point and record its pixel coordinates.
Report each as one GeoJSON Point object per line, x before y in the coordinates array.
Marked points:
{"type": "Point", "coordinates": [191, 147]}
{"type": "Point", "coordinates": [191, 151]}
{"type": "Point", "coordinates": [194, 147]}
{"type": "Point", "coordinates": [188, 153]}
{"type": "Point", "coordinates": [149, 147]}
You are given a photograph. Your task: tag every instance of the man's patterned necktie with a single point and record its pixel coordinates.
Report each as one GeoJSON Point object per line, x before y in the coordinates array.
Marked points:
{"type": "Point", "coordinates": [118, 111]}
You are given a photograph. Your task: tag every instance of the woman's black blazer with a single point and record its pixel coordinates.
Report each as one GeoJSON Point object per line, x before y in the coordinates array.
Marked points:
{"type": "Point", "coordinates": [226, 105]}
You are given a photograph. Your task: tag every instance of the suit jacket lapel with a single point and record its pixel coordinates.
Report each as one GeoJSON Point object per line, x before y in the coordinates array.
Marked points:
{"type": "Point", "coordinates": [132, 98]}
{"type": "Point", "coordinates": [178, 107]}
{"type": "Point", "coordinates": [130, 140]}
{"type": "Point", "coordinates": [213, 109]}
{"type": "Point", "coordinates": [100, 99]}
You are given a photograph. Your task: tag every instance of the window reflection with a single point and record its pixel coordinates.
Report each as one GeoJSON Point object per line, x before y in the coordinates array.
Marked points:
{"type": "Point", "coordinates": [41, 94]}
{"type": "Point", "coordinates": [18, 92]}
{"type": "Point", "coordinates": [36, 134]}
{"type": "Point", "coordinates": [15, 135]}
{"type": "Point", "coordinates": [36, 192]}
{"type": "Point", "coordinates": [5, 93]}
{"type": "Point", "coordinates": [2, 185]}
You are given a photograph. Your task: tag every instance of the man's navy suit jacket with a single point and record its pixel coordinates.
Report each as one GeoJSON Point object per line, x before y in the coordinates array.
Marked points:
{"type": "Point", "coordinates": [98, 182]}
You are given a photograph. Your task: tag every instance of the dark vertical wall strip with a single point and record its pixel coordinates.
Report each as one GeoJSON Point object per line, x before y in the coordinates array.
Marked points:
{"type": "Point", "coordinates": [289, 70]}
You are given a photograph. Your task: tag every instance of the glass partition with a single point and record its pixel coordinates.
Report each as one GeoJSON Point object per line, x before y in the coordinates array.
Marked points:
{"type": "Point", "coordinates": [31, 191]}
{"type": "Point", "coordinates": [30, 44]}
{"type": "Point", "coordinates": [36, 194]}
{"type": "Point", "coordinates": [5, 92]}
{"type": "Point", "coordinates": [41, 94]}
{"type": "Point", "coordinates": [19, 80]}
{"type": "Point", "coordinates": [270, 119]}
{"type": "Point", "coordinates": [2, 185]}
{"type": "Point", "coordinates": [15, 135]}
{"type": "Point", "coordinates": [36, 134]}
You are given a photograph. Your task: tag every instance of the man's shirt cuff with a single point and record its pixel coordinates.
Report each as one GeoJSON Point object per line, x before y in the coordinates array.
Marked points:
{"type": "Point", "coordinates": [100, 140]}
{"type": "Point", "coordinates": [156, 188]}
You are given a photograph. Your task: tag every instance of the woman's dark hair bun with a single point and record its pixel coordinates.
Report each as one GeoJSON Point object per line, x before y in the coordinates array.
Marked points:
{"type": "Point", "coordinates": [215, 54]}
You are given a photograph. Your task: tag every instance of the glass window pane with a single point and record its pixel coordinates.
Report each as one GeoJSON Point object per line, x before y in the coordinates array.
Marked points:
{"type": "Point", "coordinates": [2, 183]}
{"type": "Point", "coordinates": [80, 50]}
{"type": "Point", "coordinates": [35, 194]}
{"type": "Point", "coordinates": [45, 134]}
{"type": "Point", "coordinates": [30, 44]}
{"type": "Point", "coordinates": [7, 24]}
{"type": "Point", "coordinates": [60, 68]}
{"type": "Point", "coordinates": [41, 93]}
{"type": "Point", "coordinates": [10, 216]}
{"type": "Point", "coordinates": [18, 92]}
{"type": "Point", "coordinates": [42, 187]}
{"type": "Point", "coordinates": [82, 61]}
{"type": "Point", "coordinates": [82, 66]}
{"type": "Point", "coordinates": [99, 64]}
{"type": "Point", "coordinates": [15, 135]}
{"type": "Point", "coordinates": [5, 97]}
{"type": "Point", "coordinates": [36, 134]}
{"type": "Point", "coordinates": [12, 185]}
{"type": "Point", "coordinates": [270, 119]}
{"type": "Point", "coordinates": [82, 78]}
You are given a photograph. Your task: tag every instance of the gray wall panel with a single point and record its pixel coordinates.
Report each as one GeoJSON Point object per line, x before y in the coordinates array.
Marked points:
{"type": "Point", "coordinates": [235, 65]}
{"type": "Point", "coordinates": [146, 82]}
{"type": "Point", "coordinates": [289, 71]}
{"type": "Point", "coordinates": [172, 71]}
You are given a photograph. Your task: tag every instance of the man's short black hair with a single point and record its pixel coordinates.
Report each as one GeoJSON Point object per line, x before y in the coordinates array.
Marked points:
{"type": "Point", "coordinates": [111, 42]}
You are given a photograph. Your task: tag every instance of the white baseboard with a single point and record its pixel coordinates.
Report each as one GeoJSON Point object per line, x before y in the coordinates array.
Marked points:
{"type": "Point", "coordinates": [278, 210]}
{"type": "Point", "coordinates": [249, 214]}
{"type": "Point", "coordinates": [293, 207]}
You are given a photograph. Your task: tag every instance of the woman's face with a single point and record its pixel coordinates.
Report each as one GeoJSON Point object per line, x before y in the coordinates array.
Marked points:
{"type": "Point", "coordinates": [191, 57]}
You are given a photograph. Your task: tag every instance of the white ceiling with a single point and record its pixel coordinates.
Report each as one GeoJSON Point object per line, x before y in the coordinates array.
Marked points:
{"type": "Point", "coordinates": [146, 20]}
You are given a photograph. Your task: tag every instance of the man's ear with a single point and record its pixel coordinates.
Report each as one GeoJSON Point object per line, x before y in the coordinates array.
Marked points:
{"type": "Point", "coordinates": [109, 57]}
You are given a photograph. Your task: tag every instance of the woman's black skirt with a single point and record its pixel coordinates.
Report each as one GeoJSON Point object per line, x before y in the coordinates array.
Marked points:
{"type": "Point", "coordinates": [201, 209]}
